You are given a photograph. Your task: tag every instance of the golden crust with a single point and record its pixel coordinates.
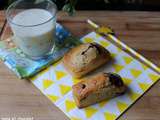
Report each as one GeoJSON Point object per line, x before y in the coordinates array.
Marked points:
{"type": "Point", "coordinates": [85, 58]}
{"type": "Point", "coordinates": [97, 88]}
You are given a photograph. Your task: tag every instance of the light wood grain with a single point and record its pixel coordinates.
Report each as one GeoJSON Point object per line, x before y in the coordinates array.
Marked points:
{"type": "Point", "coordinates": [140, 30]}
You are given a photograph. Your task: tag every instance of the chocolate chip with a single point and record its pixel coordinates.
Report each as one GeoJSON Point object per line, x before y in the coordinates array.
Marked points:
{"type": "Point", "coordinates": [83, 86]}
{"type": "Point", "coordinates": [115, 79]}
{"type": "Point", "coordinates": [91, 46]}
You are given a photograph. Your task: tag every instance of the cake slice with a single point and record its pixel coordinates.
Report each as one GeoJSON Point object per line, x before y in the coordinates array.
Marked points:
{"type": "Point", "coordinates": [97, 88]}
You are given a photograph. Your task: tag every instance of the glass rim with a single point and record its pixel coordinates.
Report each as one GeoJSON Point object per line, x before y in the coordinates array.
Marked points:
{"type": "Point", "coordinates": [34, 25]}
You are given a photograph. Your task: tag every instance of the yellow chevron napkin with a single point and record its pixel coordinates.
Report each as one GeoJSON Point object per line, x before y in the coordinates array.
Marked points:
{"type": "Point", "coordinates": [55, 83]}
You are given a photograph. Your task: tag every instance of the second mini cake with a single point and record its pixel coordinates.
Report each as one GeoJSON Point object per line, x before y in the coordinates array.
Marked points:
{"type": "Point", "coordinates": [97, 88]}
{"type": "Point", "coordinates": [85, 58]}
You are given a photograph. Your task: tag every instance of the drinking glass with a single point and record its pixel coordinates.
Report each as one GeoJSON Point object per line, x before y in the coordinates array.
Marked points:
{"type": "Point", "coordinates": [33, 24]}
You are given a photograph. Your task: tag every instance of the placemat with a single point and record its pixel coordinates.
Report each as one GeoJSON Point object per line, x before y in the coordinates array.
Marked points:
{"type": "Point", "coordinates": [25, 67]}
{"type": "Point", "coordinates": [55, 83]}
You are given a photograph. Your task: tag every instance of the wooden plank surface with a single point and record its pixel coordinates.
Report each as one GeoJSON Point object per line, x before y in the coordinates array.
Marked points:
{"type": "Point", "coordinates": [140, 30]}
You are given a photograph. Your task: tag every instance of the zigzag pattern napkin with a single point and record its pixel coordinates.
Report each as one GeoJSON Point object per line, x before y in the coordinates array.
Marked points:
{"type": "Point", "coordinates": [55, 83]}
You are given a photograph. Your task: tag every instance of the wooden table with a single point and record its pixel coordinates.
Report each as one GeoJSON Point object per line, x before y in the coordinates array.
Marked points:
{"type": "Point", "coordinates": [140, 30]}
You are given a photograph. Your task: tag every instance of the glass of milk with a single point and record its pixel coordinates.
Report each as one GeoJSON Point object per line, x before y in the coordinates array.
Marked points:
{"type": "Point", "coordinates": [33, 24]}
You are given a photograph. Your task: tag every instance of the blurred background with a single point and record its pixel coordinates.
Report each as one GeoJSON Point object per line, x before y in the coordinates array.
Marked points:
{"type": "Point", "coordinates": [141, 5]}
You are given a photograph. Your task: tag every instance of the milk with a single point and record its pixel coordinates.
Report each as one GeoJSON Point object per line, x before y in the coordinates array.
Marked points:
{"type": "Point", "coordinates": [34, 31]}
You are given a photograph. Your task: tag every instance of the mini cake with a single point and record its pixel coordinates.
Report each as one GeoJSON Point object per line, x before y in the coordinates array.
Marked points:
{"type": "Point", "coordinates": [97, 88]}
{"type": "Point", "coordinates": [85, 58]}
